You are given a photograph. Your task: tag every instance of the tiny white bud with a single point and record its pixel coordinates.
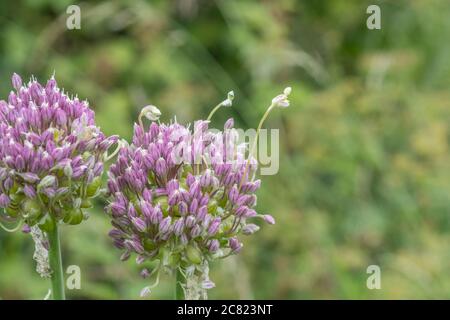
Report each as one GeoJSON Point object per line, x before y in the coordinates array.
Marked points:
{"type": "Point", "coordinates": [229, 101]}
{"type": "Point", "coordinates": [151, 112]}
{"type": "Point", "coordinates": [281, 100]}
{"type": "Point", "coordinates": [287, 91]}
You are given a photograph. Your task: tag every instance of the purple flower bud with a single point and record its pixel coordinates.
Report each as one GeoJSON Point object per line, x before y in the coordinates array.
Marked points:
{"type": "Point", "coordinates": [156, 216]}
{"type": "Point", "coordinates": [182, 208]}
{"type": "Point", "coordinates": [241, 200]}
{"type": "Point", "coordinates": [201, 213]}
{"type": "Point", "coordinates": [194, 190]}
{"type": "Point", "coordinates": [116, 234]}
{"type": "Point", "coordinates": [147, 195]}
{"type": "Point", "coordinates": [241, 211]}
{"type": "Point", "coordinates": [19, 163]}
{"type": "Point", "coordinates": [49, 192]}
{"type": "Point", "coordinates": [214, 227]}
{"type": "Point", "coordinates": [229, 124]}
{"type": "Point", "coordinates": [196, 231]}
{"type": "Point", "coordinates": [206, 179]}
{"type": "Point", "coordinates": [213, 245]}
{"type": "Point", "coordinates": [4, 200]}
{"type": "Point", "coordinates": [140, 259]}
{"type": "Point", "coordinates": [61, 118]}
{"type": "Point", "coordinates": [190, 221]}
{"type": "Point", "coordinates": [250, 229]}
{"type": "Point", "coordinates": [26, 228]}
{"type": "Point", "coordinates": [174, 198]}
{"type": "Point", "coordinates": [193, 206]}
{"type": "Point", "coordinates": [165, 225]}
{"type": "Point", "coordinates": [16, 81]}
{"type": "Point", "coordinates": [134, 245]}
{"type": "Point", "coordinates": [131, 211]}
{"type": "Point", "coordinates": [250, 213]}
{"type": "Point", "coordinates": [235, 245]}
{"type": "Point", "coordinates": [29, 191]}
{"type": "Point", "coordinates": [160, 167]}
{"type": "Point", "coordinates": [203, 201]}
{"type": "Point", "coordinates": [147, 210]}
{"type": "Point", "coordinates": [125, 256]}
{"type": "Point", "coordinates": [269, 219]}
{"type": "Point", "coordinates": [145, 273]}
{"type": "Point", "coordinates": [233, 194]}
{"type": "Point", "coordinates": [190, 180]}
{"type": "Point", "coordinates": [139, 224]}
{"type": "Point", "coordinates": [178, 227]}
{"type": "Point", "coordinates": [172, 186]}
{"type": "Point", "coordinates": [117, 209]}
{"type": "Point", "coordinates": [119, 243]}
{"type": "Point", "coordinates": [8, 184]}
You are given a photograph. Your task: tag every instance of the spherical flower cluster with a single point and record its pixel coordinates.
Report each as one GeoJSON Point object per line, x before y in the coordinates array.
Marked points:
{"type": "Point", "coordinates": [51, 155]}
{"type": "Point", "coordinates": [182, 195]}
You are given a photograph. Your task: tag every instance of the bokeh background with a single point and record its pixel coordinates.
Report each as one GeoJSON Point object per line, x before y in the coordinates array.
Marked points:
{"type": "Point", "coordinates": [364, 158]}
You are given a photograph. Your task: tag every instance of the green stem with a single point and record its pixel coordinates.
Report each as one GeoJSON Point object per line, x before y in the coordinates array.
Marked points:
{"type": "Point", "coordinates": [179, 292]}
{"type": "Point", "coordinates": [214, 111]}
{"type": "Point", "coordinates": [56, 264]}
{"type": "Point", "coordinates": [255, 142]}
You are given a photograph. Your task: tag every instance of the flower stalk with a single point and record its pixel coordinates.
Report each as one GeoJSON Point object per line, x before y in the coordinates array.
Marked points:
{"type": "Point", "coordinates": [179, 292]}
{"type": "Point", "coordinates": [54, 252]}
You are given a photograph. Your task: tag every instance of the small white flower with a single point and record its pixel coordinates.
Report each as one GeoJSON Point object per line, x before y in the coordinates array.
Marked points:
{"type": "Point", "coordinates": [151, 112]}
{"type": "Point", "coordinates": [281, 100]}
{"type": "Point", "coordinates": [229, 101]}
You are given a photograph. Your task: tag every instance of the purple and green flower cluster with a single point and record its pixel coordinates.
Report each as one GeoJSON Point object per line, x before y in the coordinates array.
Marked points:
{"type": "Point", "coordinates": [182, 195]}
{"type": "Point", "coordinates": [51, 155]}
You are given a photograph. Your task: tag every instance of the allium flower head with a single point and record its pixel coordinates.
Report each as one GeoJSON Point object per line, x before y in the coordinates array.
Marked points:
{"type": "Point", "coordinates": [51, 154]}
{"type": "Point", "coordinates": [182, 195]}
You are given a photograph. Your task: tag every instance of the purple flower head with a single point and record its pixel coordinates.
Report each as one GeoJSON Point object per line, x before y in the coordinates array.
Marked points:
{"type": "Point", "coordinates": [193, 190]}
{"type": "Point", "coordinates": [50, 149]}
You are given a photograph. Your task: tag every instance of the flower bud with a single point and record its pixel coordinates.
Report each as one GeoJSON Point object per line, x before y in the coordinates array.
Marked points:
{"type": "Point", "coordinates": [165, 225]}
{"type": "Point", "coordinates": [93, 187]}
{"type": "Point", "coordinates": [269, 219]}
{"type": "Point", "coordinates": [235, 245]}
{"type": "Point", "coordinates": [151, 112]}
{"type": "Point", "coordinates": [214, 227]}
{"type": "Point", "coordinates": [46, 182]}
{"type": "Point", "coordinates": [193, 254]}
{"type": "Point", "coordinates": [250, 229]}
{"type": "Point", "coordinates": [16, 81]}
{"type": "Point", "coordinates": [139, 224]}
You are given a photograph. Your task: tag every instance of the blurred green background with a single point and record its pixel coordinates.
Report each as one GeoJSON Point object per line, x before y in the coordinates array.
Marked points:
{"type": "Point", "coordinates": [364, 158]}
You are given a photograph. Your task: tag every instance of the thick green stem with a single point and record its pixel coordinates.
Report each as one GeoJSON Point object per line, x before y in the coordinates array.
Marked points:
{"type": "Point", "coordinates": [179, 292]}
{"type": "Point", "coordinates": [56, 264]}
